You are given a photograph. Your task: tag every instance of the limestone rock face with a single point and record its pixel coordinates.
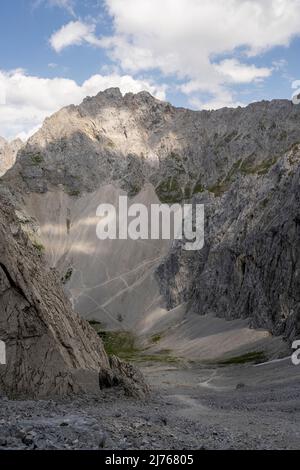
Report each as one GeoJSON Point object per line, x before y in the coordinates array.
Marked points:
{"type": "Point", "coordinates": [8, 153]}
{"type": "Point", "coordinates": [250, 265]}
{"type": "Point", "coordinates": [135, 139]}
{"type": "Point", "coordinates": [50, 350]}
{"type": "Point", "coordinates": [243, 164]}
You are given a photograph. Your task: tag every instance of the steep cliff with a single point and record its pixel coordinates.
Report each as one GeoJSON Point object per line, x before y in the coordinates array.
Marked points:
{"type": "Point", "coordinates": [50, 350]}
{"type": "Point", "coordinates": [250, 266]}
{"type": "Point", "coordinates": [8, 153]}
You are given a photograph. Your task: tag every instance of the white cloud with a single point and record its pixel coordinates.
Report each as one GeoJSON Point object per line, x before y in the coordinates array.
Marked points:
{"type": "Point", "coordinates": [187, 32]}
{"type": "Point", "coordinates": [74, 33]}
{"type": "Point", "coordinates": [222, 98]}
{"type": "Point", "coordinates": [235, 72]}
{"type": "Point", "coordinates": [186, 37]}
{"type": "Point", "coordinates": [26, 100]}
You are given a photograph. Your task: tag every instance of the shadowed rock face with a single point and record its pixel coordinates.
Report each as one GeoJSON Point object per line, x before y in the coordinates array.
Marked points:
{"type": "Point", "coordinates": [50, 350]}
{"type": "Point", "coordinates": [250, 266]}
{"type": "Point", "coordinates": [243, 164]}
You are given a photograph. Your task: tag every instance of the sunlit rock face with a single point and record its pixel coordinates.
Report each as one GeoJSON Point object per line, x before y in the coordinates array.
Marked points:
{"type": "Point", "coordinates": [8, 153]}
{"type": "Point", "coordinates": [112, 281]}
{"type": "Point", "coordinates": [243, 164]}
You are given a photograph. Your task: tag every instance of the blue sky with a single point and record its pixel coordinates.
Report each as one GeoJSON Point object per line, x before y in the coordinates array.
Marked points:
{"type": "Point", "coordinates": [202, 54]}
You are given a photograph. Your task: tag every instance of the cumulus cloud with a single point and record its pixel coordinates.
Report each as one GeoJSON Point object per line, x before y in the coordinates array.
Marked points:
{"type": "Point", "coordinates": [221, 98]}
{"type": "Point", "coordinates": [235, 72]}
{"type": "Point", "coordinates": [26, 100]}
{"type": "Point", "coordinates": [188, 38]}
{"type": "Point", "coordinates": [74, 33]}
{"type": "Point", "coordinates": [183, 31]}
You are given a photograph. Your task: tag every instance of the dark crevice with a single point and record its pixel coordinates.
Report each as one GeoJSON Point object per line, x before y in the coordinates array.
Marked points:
{"type": "Point", "coordinates": [12, 282]}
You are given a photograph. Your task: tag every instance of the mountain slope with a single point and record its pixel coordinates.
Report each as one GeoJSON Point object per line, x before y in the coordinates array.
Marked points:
{"type": "Point", "coordinates": [243, 164]}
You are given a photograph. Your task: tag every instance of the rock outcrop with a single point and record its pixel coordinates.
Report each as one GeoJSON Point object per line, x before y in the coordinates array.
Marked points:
{"type": "Point", "coordinates": [8, 153]}
{"type": "Point", "coordinates": [50, 350]}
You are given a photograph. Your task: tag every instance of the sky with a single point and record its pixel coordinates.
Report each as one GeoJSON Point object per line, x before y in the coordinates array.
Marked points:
{"type": "Point", "coordinates": [200, 54]}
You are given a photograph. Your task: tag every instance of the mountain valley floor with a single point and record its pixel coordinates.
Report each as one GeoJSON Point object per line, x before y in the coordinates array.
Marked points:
{"type": "Point", "coordinates": [190, 407]}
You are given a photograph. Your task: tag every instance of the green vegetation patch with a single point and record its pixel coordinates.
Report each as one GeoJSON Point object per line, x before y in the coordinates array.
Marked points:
{"type": "Point", "coordinates": [219, 188]}
{"type": "Point", "coordinates": [39, 246]}
{"type": "Point", "coordinates": [123, 344]}
{"type": "Point", "coordinates": [73, 192]}
{"type": "Point", "coordinates": [96, 325]}
{"type": "Point", "coordinates": [245, 167]}
{"type": "Point", "coordinates": [256, 356]}
{"type": "Point", "coordinates": [169, 191]}
{"type": "Point", "coordinates": [67, 276]}
{"type": "Point", "coordinates": [119, 343]}
{"type": "Point", "coordinates": [110, 143]}
{"type": "Point", "coordinates": [198, 188]}
{"type": "Point", "coordinates": [36, 159]}
{"type": "Point", "coordinates": [248, 168]}
{"type": "Point", "coordinates": [156, 338]}
{"type": "Point", "coordinates": [162, 357]}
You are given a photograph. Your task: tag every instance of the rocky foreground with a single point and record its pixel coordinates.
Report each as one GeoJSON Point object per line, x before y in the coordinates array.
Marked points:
{"type": "Point", "coordinates": [248, 407]}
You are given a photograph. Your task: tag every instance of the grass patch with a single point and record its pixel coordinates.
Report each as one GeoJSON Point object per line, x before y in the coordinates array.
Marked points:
{"type": "Point", "coordinates": [256, 356]}
{"type": "Point", "coordinates": [156, 338]}
{"type": "Point", "coordinates": [36, 159]}
{"type": "Point", "coordinates": [123, 344]}
{"type": "Point", "coordinates": [119, 343]}
{"type": "Point", "coordinates": [96, 325]}
{"type": "Point", "coordinates": [248, 168]}
{"type": "Point", "coordinates": [73, 192]}
{"type": "Point", "coordinates": [198, 188]}
{"type": "Point", "coordinates": [169, 191]}
{"type": "Point", "coordinates": [111, 144]}
{"type": "Point", "coordinates": [219, 189]}
{"type": "Point", "coordinates": [39, 246]}
{"type": "Point", "coordinates": [245, 167]}
{"type": "Point", "coordinates": [67, 276]}
{"type": "Point", "coordinates": [162, 357]}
